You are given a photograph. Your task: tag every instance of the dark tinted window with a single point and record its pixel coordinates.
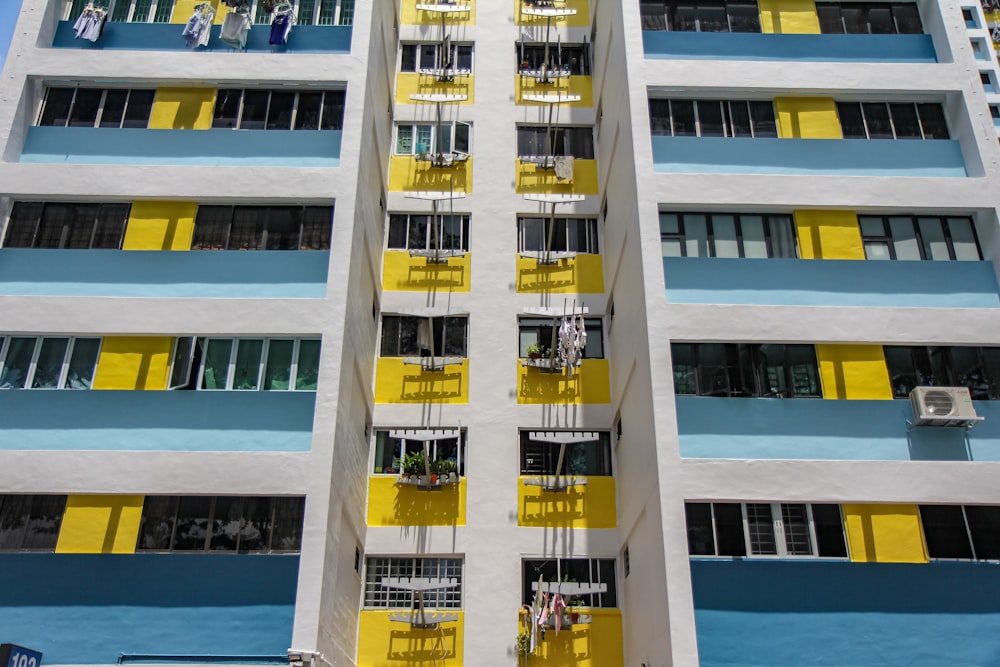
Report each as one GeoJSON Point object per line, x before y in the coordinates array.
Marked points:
{"type": "Point", "coordinates": [945, 531]}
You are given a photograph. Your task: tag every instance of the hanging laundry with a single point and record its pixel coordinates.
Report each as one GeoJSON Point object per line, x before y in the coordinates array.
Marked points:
{"type": "Point", "coordinates": [90, 24]}
{"type": "Point", "coordinates": [198, 28]}
{"type": "Point", "coordinates": [558, 608]}
{"type": "Point", "coordinates": [235, 28]}
{"type": "Point", "coordinates": [281, 26]}
{"type": "Point", "coordinates": [564, 167]}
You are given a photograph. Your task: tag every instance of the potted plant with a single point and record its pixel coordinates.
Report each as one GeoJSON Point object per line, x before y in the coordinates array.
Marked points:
{"type": "Point", "coordinates": [413, 464]}
{"type": "Point", "coordinates": [534, 351]}
{"type": "Point", "coordinates": [435, 471]}
{"type": "Point", "coordinates": [448, 469]}
{"type": "Point", "coordinates": [524, 645]}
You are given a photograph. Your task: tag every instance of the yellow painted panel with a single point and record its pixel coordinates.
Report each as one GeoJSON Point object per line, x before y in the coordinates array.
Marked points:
{"type": "Point", "coordinates": [580, 20]}
{"type": "Point", "coordinates": [531, 179]}
{"type": "Point", "coordinates": [828, 235]}
{"type": "Point", "coordinates": [590, 384]}
{"type": "Point", "coordinates": [396, 382]}
{"type": "Point", "coordinates": [160, 225]}
{"type": "Point", "coordinates": [402, 273]}
{"type": "Point", "coordinates": [408, 83]}
{"type": "Point", "coordinates": [183, 9]}
{"type": "Point", "coordinates": [589, 506]}
{"type": "Point", "coordinates": [884, 533]}
{"type": "Point", "coordinates": [133, 362]}
{"type": "Point", "coordinates": [596, 644]}
{"type": "Point", "coordinates": [385, 643]}
{"type": "Point", "coordinates": [807, 118]}
{"type": "Point", "coordinates": [856, 372]}
{"type": "Point", "coordinates": [572, 85]}
{"type": "Point", "coordinates": [413, 16]}
{"type": "Point", "coordinates": [583, 274]}
{"type": "Point", "coordinates": [789, 16]}
{"type": "Point", "coordinates": [100, 525]}
{"type": "Point", "coordinates": [392, 504]}
{"type": "Point", "coordinates": [182, 109]}
{"type": "Point", "coordinates": [406, 174]}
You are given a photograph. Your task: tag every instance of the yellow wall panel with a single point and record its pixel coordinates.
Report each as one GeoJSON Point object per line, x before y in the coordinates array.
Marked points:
{"type": "Point", "coordinates": [572, 85]}
{"type": "Point", "coordinates": [384, 643]}
{"type": "Point", "coordinates": [884, 533]}
{"type": "Point", "coordinates": [856, 372]}
{"type": "Point", "coordinates": [396, 382]}
{"type": "Point", "coordinates": [133, 362]}
{"type": "Point", "coordinates": [589, 506]}
{"type": "Point", "coordinates": [807, 118]}
{"type": "Point", "coordinates": [160, 225]}
{"type": "Point", "coordinates": [100, 525]}
{"type": "Point", "coordinates": [590, 384]}
{"type": "Point", "coordinates": [408, 83]}
{"type": "Point", "coordinates": [402, 273]}
{"type": "Point", "coordinates": [531, 179]}
{"type": "Point", "coordinates": [406, 174]}
{"type": "Point", "coordinates": [413, 16]}
{"type": "Point", "coordinates": [183, 9]}
{"type": "Point", "coordinates": [182, 109]}
{"type": "Point", "coordinates": [788, 16]}
{"type": "Point", "coordinates": [596, 644]}
{"type": "Point", "coordinates": [580, 20]}
{"type": "Point", "coordinates": [583, 274]}
{"type": "Point", "coordinates": [393, 504]}
{"type": "Point", "coordinates": [828, 235]}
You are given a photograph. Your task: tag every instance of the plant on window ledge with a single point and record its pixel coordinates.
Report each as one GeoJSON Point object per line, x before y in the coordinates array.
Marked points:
{"type": "Point", "coordinates": [413, 464]}
{"type": "Point", "coordinates": [535, 351]}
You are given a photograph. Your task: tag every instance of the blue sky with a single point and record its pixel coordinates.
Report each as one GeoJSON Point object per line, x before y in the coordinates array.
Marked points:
{"type": "Point", "coordinates": [8, 15]}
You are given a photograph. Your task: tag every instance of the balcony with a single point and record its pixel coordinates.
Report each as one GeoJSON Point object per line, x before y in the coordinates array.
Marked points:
{"type": "Point", "coordinates": [828, 157]}
{"type": "Point", "coordinates": [816, 48]}
{"type": "Point", "coordinates": [167, 37]}
{"type": "Point", "coordinates": [172, 274]}
{"type": "Point", "coordinates": [383, 642]}
{"type": "Point", "coordinates": [533, 178]}
{"type": "Point", "coordinates": [180, 421]}
{"type": "Point", "coordinates": [599, 643]}
{"type": "Point", "coordinates": [797, 282]}
{"type": "Point", "coordinates": [237, 148]}
{"type": "Point", "coordinates": [392, 503]}
{"type": "Point", "coordinates": [841, 430]}
{"type": "Point", "coordinates": [590, 505]}
{"type": "Point", "coordinates": [540, 386]}
{"type": "Point", "coordinates": [580, 274]}
{"type": "Point", "coordinates": [398, 380]}
{"type": "Point", "coordinates": [408, 173]}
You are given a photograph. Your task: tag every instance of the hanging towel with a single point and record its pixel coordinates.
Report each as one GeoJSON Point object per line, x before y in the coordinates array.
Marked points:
{"type": "Point", "coordinates": [280, 28]}
{"type": "Point", "coordinates": [198, 28]}
{"type": "Point", "coordinates": [235, 28]}
{"type": "Point", "coordinates": [558, 607]}
{"type": "Point", "coordinates": [564, 167]}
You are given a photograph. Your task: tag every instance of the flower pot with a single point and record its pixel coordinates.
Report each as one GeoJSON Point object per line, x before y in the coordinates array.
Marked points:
{"type": "Point", "coordinates": [434, 478]}
{"type": "Point", "coordinates": [534, 355]}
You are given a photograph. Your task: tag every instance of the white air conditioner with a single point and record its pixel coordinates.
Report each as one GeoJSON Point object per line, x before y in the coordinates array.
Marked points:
{"type": "Point", "coordinates": [943, 406]}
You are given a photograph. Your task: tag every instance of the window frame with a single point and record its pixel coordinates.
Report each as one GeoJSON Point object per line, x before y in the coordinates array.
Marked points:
{"type": "Point", "coordinates": [768, 220]}
{"type": "Point", "coordinates": [858, 108]}
{"type": "Point", "coordinates": [939, 359]}
{"type": "Point", "coordinates": [342, 14]}
{"type": "Point", "coordinates": [582, 141]}
{"type": "Point", "coordinates": [594, 325]}
{"type": "Point", "coordinates": [64, 367]}
{"type": "Point", "coordinates": [889, 240]}
{"type": "Point", "coordinates": [460, 51]}
{"type": "Point", "coordinates": [99, 117]}
{"type": "Point", "coordinates": [307, 229]}
{"type": "Point", "coordinates": [602, 440]}
{"type": "Point", "coordinates": [759, 126]}
{"type": "Point", "coordinates": [970, 535]}
{"type": "Point", "coordinates": [448, 567]}
{"type": "Point", "coordinates": [866, 7]}
{"type": "Point", "coordinates": [403, 317]}
{"type": "Point", "coordinates": [593, 566]}
{"type": "Point", "coordinates": [591, 235]}
{"type": "Point", "coordinates": [37, 221]}
{"type": "Point", "coordinates": [195, 361]}
{"type": "Point", "coordinates": [452, 128]}
{"type": "Point", "coordinates": [580, 52]}
{"type": "Point", "coordinates": [27, 519]}
{"type": "Point", "coordinates": [410, 219]}
{"type": "Point", "coordinates": [458, 433]}
{"type": "Point", "coordinates": [153, 14]}
{"type": "Point", "coordinates": [742, 362]}
{"type": "Point", "coordinates": [668, 12]}
{"type": "Point", "coordinates": [221, 121]}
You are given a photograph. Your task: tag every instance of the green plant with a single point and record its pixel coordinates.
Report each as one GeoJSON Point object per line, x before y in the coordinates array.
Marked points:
{"type": "Point", "coordinates": [524, 644]}
{"type": "Point", "coordinates": [534, 350]}
{"type": "Point", "coordinates": [447, 467]}
{"type": "Point", "coordinates": [413, 463]}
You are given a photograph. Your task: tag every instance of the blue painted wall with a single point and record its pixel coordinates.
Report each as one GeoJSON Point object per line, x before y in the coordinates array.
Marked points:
{"type": "Point", "coordinates": [854, 157]}
{"type": "Point", "coordinates": [193, 421]}
{"type": "Point", "coordinates": [89, 609]}
{"type": "Point", "coordinates": [752, 613]}
{"type": "Point", "coordinates": [748, 46]}
{"type": "Point", "coordinates": [831, 282]}
{"type": "Point", "coordinates": [807, 428]}
{"type": "Point", "coordinates": [220, 274]}
{"type": "Point", "coordinates": [167, 37]}
{"type": "Point", "coordinates": [102, 145]}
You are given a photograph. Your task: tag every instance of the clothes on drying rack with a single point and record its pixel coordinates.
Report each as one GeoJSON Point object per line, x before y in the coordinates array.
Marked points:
{"type": "Point", "coordinates": [198, 28]}
{"type": "Point", "coordinates": [281, 26]}
{"type": "Point", "coordinates": [90, 24]}
{"type": "Point", "coordinates": [564, 167]}
{"type": "Point", "coordinates": [235, 28]}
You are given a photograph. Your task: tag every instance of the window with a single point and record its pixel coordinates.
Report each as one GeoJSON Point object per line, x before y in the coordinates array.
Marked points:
{"type": "Point", "coordinates": [765, 529]}
{"type": "Point", "coordinates": [585, 571]}
{"type": "Point", "coordinates": [237, 524]}
{"type": "Point", "coordinates": [989, 82]}
{"type": "Point", "coordinates": [262, 228]}
{"type": "Point", "coordinates": [96, 107]}
{"type": "Point", "coordinates": [575, 235]}
{"type": "Point", "coordinates": [437, 570]}
{"type": "Point", "coordinates": [253, 109]}
{"type": "Point", "coordinates": [245, 364]}
{"type": "Point", "coordinates": [430, 58]}
{"type": "Point", "coordinates": [700, 15]}
{"type": "Point", "coordinates": [712, 118]}
{"type": "Point", "coordinates": [751, 235]}
{"type": "Point", "coordinates": [745, 369]}
{"type": "Point", "coordinates": [53, 225]}
{"type": "Point", "coordinates": [962, 532]}
{"type": "Point", "coordinates": [535, 141]}
{"type": "Point", "coordinates": [48, 362]}
{"type": "Point", "coordinates": [323, 12]}
{"type": "Point", "coordinates": [969, 16]}
{"type": "Point", "coordinates": [30, 522]}
{"type": "Point", "coordinates": [977, 368]}
{"type": "Point", "coordinates": [415, 231]}
{"type": "Point", "coordinates": [892, 120]}
{"type": "Point", "coordinates": [979, 50]}
{"type": "Point", "coordinates": [876, 18]}
{"type": "Point", "coordinates": [413, 336]}
{"type": "Point", "coordinates": [912, 237]}
{"type": "Point", "coordinates": [544, 332]}
{"type": "Point", "coordinates": [442, 445]}
{"type": "Point", "coordinates": [132, 11]}
{"type": "Point", "coordinates": [587, 453]}
{"type": "Point", "coordinates": [421, 140]}
{"type": "Point", "coordinates": [572, 58]}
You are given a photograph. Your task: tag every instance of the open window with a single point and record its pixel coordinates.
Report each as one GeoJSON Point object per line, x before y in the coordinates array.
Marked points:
{"type": "Point", "coordinates": [48, 362]}
{"type": "Point", "coordinates": [557, 460]}
{"type": "Point", "coordinates": [428, 588]}
{"type": "Point", "coordinates": [426, 458]}
{"type": "Point", "coordinates": [436, 236]}
{"type": "Point", "coordinates": [765, 529]}
{"type": "Point", "coordinates": [745, 369]}
{"type": "Point", "coordinates": [555, 147]}
{"type": "Point", "coordinates": [442, 60]}
{"type": "Point", "coordinates": [558, 343]}
{"type": "Point", "coordinates": [425, 338]}
{"type": "Point", "coordinates": [441, 144]}
{"type": "Point", "coordinates": [552, 238]}
{"type": "Point", "coordinates": [245, 364]}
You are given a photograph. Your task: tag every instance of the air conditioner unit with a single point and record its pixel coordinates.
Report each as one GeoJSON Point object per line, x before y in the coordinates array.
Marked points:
{"type": "Point", "coordinates": [943, 406]}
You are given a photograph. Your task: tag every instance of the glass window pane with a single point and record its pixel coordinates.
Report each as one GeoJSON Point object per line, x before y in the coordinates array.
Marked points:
{"type": "Point", "coordinates": [227, 108]}
{"type": "Point", "coordinates": [211, 228]}
{"type": "Point", "coordinates": [984, 524]}
{"type": "Point", "coordinates": [852, 123]}
{"type": "Point", "coordinates": [701, 541]}
{"type": "Point", "coordinates": [226, 523]}
{"type": "Point", "coordinates": [307, 115]}
{"type": "Point", "coordinates": [829, 531]}
{"type": "Point", "coordinates": [795, 521]}
{"type": "Point", "coordinates": [760, 523]}
{"type": "Point", "coordinates": [907, 18]}
{"type": "Point", "coordinates": [762, 117]}
{"type": "Point", "coordinates": [877, 120]}
{"type": "Point", "coordinates": [683, 362]}
{"type": "Point", "coordinates": [968, 371]}
{"type": "Point", "coordinates": [830, 22]}
{"type": "Point", "coordinates": [191, 532]}
{"type": "Point", "coordinates": [14, 372]}
{"type": "Point", "coordinates": [24, 217]}
{"type": "Point", "coordinates": [671, 247]}
{"type": "Point", "coordinates": [80, 225]}
{"type": "Point", "coordinates": [932, 121]}
{"type": "Point", "coordinates": [904, 238]}
{"type": "Point", "coordinates": [963, 239]}
{"type": "Point", "coordinates": [710, 118]}
{"type": "Point", "coordinates": [712, 18]}
{"type": "Point", "coordinates": [388, 454]}
{"type": "Point", "coordinates": [945, 532]}
{"type": "Point", "coordinates": [724, 236]}
{"type": "Point", "coordinates": [739, 119]}
{"type": "Point", "coordinates": [247, 229]}
{"type": "Point", "coordinates": [56, 110]}
{"type": "Point", "coordinates": [683, 19]}
{"type": "Point", "coordinates": [404, 140]}
{"type": "Point", "coordinates": [307, 12]}
{"type": "Point", "coordinates": [880, 21]}
{"type": "Point", "coordinates": [287, 528]}
{"type": "Point", "coordinates": [82, 363]}
{"type": "Point", "coordinates": [14, 512]}
{"type": "Point", "coordinates": [801, 360]}
{"type": "Point", "coordinates": [659, 119]}
{"type": "Point", "coordinates": [246, 374]}
{"type": "Point", "coordinates": [418, 236]}
{"type": "Point", "coordinates": [905, 122]}
{"type": "Point", "coordinates": [682, 115]}
{"type": "Point", "coordinates": [254, 109]}
{"type": "Point", "coordinates": [284, 226]}
{"type": "Point", "coordinates": [871, 226]}
{"type": "Point", "coordinates": [729, 529]}
{"type": "Point", "coordinates": [255, 525]}
{"type": "Point", "coordinates": [455, 336]}
{"type": "Point", "coordinates": [307, 372]}
{"type": "Point", "coordinates": [782, 236]}
{"type": "Point", "coordinates": [854, 19]}
{"type": "Point", "coordinates": [743, 17]}
{"type": "Point", "coordinates": [333, 110]}
{"type": "Point", "coordinates": [157, 528]}
{"type": "Point", "coordinates": [932, 235]}
{"type": "Point", "coordinates": [279, 113]}
{"type": "Point", "coordinates": [49, 366]}
{"type": "Point", "coordinates": [696, 236]}
{"type": "Point", "coordinates": [114, 108]}
{"type": "Point", "coordinates": [877, 250]}
{"type": "Point", "coordinates": [110, 226]}
{"type": "Point", "coordinates": [317, 223]}
{"type": "Point", "coordinates": [42, 530]}
{"type": "Point", "coordinates": [140, 105]}
{"type": "Point", "coordinates": [278, 372]}
{"type": "Point", "coordinates": [216, 370]}
{"type": "Point", "coordinates": [85, 106]}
